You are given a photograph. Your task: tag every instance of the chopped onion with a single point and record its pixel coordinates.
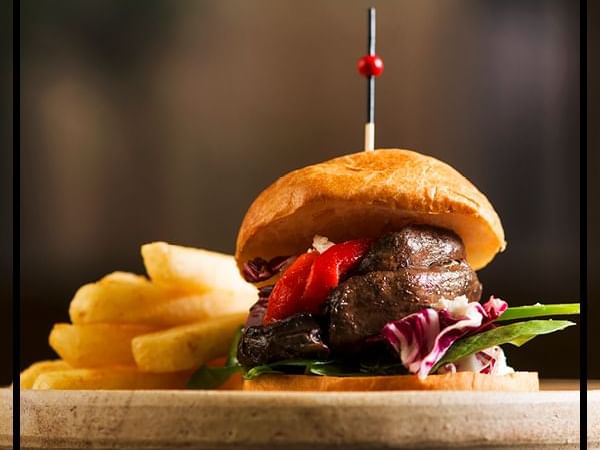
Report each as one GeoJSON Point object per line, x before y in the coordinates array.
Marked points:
{"type": "Point", "coordinates": [321, 243]}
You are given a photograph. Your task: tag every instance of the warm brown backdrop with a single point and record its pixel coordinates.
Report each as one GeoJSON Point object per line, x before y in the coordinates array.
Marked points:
{"type": "Point", "coordinates": [593, 186]}
{"type": "Point", "coordinates": [163, 120]}
{"type": "Point", "coordinates": [6, 190]}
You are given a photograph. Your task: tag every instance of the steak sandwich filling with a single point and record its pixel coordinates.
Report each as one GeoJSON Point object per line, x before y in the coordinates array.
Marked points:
{"type": "Point", "coordinates": [400, 273]}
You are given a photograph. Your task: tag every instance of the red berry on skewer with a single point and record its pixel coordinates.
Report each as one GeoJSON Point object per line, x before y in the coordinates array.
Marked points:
{"type": "Point", "coordinates": [370, 66]}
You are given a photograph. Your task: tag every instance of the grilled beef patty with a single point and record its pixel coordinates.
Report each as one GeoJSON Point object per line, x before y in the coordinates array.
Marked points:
{"type": "Point", "coordinates": [298, 336]}
{"type": "Point", "coordinates": [413, 246]}
{"type": "Point", "coordinates": [363, 304]}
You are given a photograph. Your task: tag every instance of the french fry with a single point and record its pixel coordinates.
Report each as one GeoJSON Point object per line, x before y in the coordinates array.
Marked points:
{"type": "Point", "coordinates": [96, 345]}
{"type": "Point", "coordinates": [192, 269]}
{"type": "Point", "coordinates": [110, 378]}
{"type": "Point", "coordinates": [29, 375]}
{"type": "Point", "coordinates": [200, 307]}
{"type": "Point", "coordinates": [131, 299]}
{"type": "Point", "coordinates": [187, 346]}
{"type": "Point", "coordinates": [114, 297]}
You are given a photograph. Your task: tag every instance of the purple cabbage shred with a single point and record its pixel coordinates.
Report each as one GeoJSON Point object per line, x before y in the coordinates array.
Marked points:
{"type": "Point", "coordinates": [259, 269]}
{"type": "Point", "coordinates": [257, 312]}
{"type": "Point", "coordinates": [421, 339]}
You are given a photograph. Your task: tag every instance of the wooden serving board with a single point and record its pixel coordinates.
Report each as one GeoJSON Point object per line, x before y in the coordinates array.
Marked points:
{"type": "Point", "coordinates": [261, 420]}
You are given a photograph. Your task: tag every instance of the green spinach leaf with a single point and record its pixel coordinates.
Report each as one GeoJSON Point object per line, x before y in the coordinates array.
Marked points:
{"type": "Point", "coordinates": [330, 368]}
{"type": "Point", "coordinates": [526, 312]}
{"type": "Point", "coordinates": [515, 333]}
{"type": "Point", "coordinates": [287, 366]}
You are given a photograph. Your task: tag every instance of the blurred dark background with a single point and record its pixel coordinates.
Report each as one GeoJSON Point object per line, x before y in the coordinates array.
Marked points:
{"type": "Point", "coordinates": [6, 190]}
{"type": "Point", "coordinates": [158, 120]}
{"type": "Point", "coordinates": [593, 185]}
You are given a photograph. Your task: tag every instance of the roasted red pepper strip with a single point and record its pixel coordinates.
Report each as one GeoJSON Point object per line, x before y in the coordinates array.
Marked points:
{"type": "Point", "coordinates": [284, 300]}
{"type": "Point", "coordinates": [327, 270]}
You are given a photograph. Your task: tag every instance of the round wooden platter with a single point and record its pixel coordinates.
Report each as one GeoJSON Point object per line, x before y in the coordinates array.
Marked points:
{"type": "Point", "coordinates": [260, 420]}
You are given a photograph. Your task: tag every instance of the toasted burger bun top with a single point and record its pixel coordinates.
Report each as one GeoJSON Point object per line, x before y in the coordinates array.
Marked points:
{"type": "Point", "coordinates": [364, 195]}
{"type": "Point", "coordinates": [459, 381]}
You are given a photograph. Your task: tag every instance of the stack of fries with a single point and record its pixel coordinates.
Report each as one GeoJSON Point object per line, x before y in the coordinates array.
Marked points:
{"type": "Point", "coordinates": [131, 332]}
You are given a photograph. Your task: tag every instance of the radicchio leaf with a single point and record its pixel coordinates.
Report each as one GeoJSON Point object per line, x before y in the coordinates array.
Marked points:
{"type": "Point", "coordinates": [257, 312]}
{"type": "Point", "coordinates": [259, 269]}
{"type": "Point", "coordinates": [491, 361]}
{"type": "Point", "coordinates": [422, 338]}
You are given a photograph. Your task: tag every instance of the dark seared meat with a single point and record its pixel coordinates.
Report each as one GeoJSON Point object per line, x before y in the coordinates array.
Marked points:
{"type": "Point", "coordinates": [413, 246]}
{"type": "Point", "coordinates": [363, 304]}
{"type": "Point", "coordinates": [298, 336]}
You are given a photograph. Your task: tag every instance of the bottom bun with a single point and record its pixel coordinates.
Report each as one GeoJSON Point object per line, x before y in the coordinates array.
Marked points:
{"type": "Point", "coordinates": [459, 381]}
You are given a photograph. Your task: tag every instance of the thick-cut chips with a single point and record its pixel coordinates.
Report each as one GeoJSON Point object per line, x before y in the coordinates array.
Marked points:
{"type": "Point", "coordinates": [192, 269]}
{"type": "Point", "coordinates": [29, 375]}
{"type": "Point", "coordinates": [120, 336]}
{"type": "Point", "coordinates": [113, 296]}
{"type": "Point", "coordinates": [187, 346]}
{"type": "Point", "coordinates": [127, 298]}
{"type": "Point", "coordinates": [96, 345]}
{"type": "Point", "coordinates": [110, 378]}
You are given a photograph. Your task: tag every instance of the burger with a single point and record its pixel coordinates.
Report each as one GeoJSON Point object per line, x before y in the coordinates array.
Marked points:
{"type": "Point", "coordinates": [366, 268]}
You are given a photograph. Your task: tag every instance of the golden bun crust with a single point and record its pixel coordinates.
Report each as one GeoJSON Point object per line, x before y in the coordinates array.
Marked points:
{"type": "Point", "coordinates": [364, 195]}
{"type": "Point", "coordinates": [459, 381]}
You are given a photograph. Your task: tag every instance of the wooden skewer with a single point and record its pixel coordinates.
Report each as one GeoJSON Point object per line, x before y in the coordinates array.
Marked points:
{"type": "Point", "coordinates": [370, 125]}
{"type": "Point", "coordinates": [370, 66]}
